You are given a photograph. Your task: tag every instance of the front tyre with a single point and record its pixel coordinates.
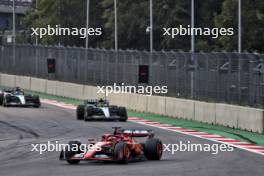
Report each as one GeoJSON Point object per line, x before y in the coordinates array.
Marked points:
{"type": "Point", "coordinates": [121, 153]}
{"type": "Point", "coordinates": [80, 112]}
{"type": "Point", "coordinates": [70, 152]}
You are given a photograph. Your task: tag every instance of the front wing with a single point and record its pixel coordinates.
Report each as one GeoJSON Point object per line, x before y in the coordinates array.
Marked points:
{"type": "Point", "coordinates": [103, 117]}
{"type": "Point", "coordinates": [98, 157]}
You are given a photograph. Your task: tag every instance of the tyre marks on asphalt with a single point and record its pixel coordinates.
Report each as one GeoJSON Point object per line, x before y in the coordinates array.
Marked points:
{"type": "Point", "coordinates": [20, 129]}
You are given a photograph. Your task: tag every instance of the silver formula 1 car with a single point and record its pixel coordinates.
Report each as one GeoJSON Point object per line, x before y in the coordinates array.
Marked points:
{"type": "Point", "coordinates": [100, 110]}
{"type": "Point", "coordinates": [17, 97]}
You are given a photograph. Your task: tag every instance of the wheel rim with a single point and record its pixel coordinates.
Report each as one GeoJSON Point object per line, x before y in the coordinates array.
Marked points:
{"type": "Point", "coordinates": [126, 153]}
{"type": "Point", "coordinates": [159, 150]}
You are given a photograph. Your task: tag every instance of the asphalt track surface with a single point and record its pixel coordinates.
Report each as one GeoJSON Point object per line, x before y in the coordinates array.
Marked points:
{"type": "Point", "coordinates": [20, 127]}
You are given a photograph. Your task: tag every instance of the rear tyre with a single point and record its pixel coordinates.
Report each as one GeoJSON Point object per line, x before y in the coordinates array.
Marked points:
{"type": "Point", "coordinates": [121, 153]}
{"type": "Point", "coordinates": [153, 149]}
{"type": "Point", "coordinates": [122, 112]}
{"type": "Point", "coordinates": [36, 101]}
{"type": "Point", "coordinates": [70, 152]}
{"type": "Point", "coordinates": [80, 112]}
{"type": "Point", "coordinates": [1, 99]}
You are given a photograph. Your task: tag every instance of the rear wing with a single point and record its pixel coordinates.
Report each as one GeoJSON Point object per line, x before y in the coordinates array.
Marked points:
{"type": "Point", "coordinates": [14, 92]}
{"type": "Point", "coordinates": [134, 132]}
{"type": "Point", "coordinates": [8, 90]}
{"type": "Point", "coordinates": [95, 102]}
{"type": "Point", "coordinates": [92, 101]}
{"type": "Point", "coordinates": [138, 133]}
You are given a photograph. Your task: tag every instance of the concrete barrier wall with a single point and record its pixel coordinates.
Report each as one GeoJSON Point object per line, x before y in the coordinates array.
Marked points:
{"type": "Point", "coordinates": [133, 102]}
{"type": "Point", "coordinates": [90, 92]}
{"type": "Point", "coordinates": [51, 87]}
{"type": "Point", "coordinates": [205, 112]}
{"type": "Point", "coordinates": [23, 82]}
{"type": "Point", "coordinates": [70, 90]}
{"type": "Point", "coordinates": [38, 85]}
{"type": "Point", "coordinates": [142, 103]}
{"type": "Point", "coordinates": [227, 115]}
{"type": "Point", "coordinates": [180, 108]}
{"type": "Point", "coordinates": [250, 119]}
{"type": "Point", "coordinates": [245, 118]}
{"type": "Point", "coordinates": [60, 86]}
{"type": "Point", "coordinates": [156, 104]}
{"type": "Point", "coordinates": [119, 99]}
{"type": "Point", "coordinates": [8, 80]}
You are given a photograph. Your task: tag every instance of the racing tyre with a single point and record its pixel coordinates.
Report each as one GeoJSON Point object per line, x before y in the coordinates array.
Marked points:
{"type": "Point", "coordinates": [5, 101]}
{"type": "Point", "coordinates": [89, 113]}
{"type": "Point", "coordinates": [1, 99]}
{"type": "Point", "coordinates": [80, 112]}
{"type": "Point", "coordinates": [122, 153]}
{"type": "Point", "coordinates": [153, 149]}
{"type": "Point", "coordinates": [69, 152]}
{"type": "Point", "coordinates": [122, 112]}
{"type": "Point", "coordinates": [36, 101]}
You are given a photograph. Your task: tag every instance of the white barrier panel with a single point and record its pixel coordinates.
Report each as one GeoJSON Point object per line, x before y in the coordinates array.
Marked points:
{"type": "Point", "coordinates": [250, 119]}
{"type": "Point", "coordinates": [205, 112]}
{"type": "Point", "coordinates": [38, 85]}
{"type": "Point", "coordinates": [133, 100]}
{"type": "Point", "coordinates": [51, 87]}
{"type": "Point", "coordinates": [70, 90]}
{"type": "Point", "coordinates": [60, 89]}
{"type": "Point", "coordinates": [227, 115]}
{"type": "Point", "coordinates": [142, 103]}
{"type": "Point", "coordinates": [119, 99]}
{"type": "Point", "coordinates": [23, 82]}
{"type": "Point", "coordinates": [156, 104]}
{"type": "Point", "coordinates": [90, 92]}
{"type": "Point", "coordinates": [8, 80]}
{"type": "Point", "coordinates": [180, 108]}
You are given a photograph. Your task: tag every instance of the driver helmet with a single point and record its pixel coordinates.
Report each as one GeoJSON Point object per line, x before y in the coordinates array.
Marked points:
{"type": "Point", "coordinates": [18, 90]}
{"type": "Point", "coordinates": [101, 102]}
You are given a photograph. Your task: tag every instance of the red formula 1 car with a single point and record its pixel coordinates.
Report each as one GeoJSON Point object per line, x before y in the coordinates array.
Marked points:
{"type": "Point", "coordinates": [121, 147]}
